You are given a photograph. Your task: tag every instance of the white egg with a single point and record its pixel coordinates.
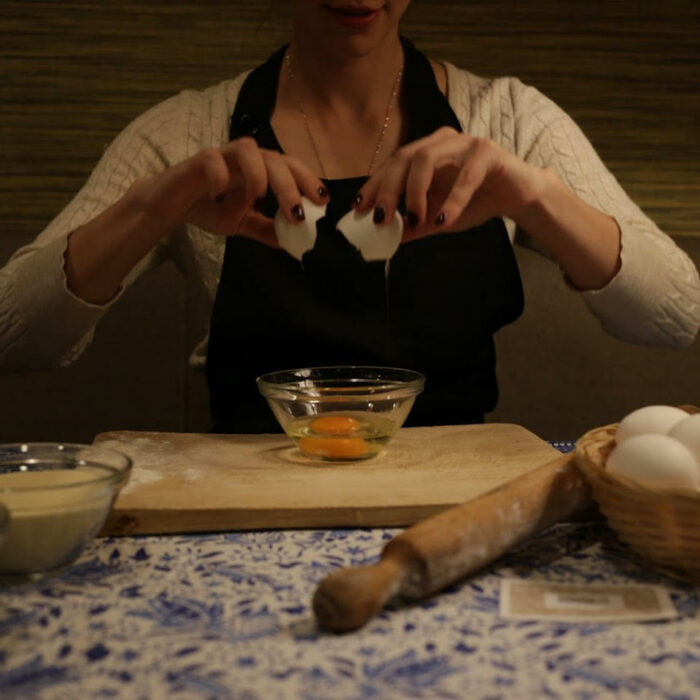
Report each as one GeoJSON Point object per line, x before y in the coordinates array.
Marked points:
{"type": "Point", "coordinates": [298, 238]}
{"type": "Point", "coordinates": [687, 431]}
{"type": "Point", "coordinates": [373, 241]}
{"type": "Point", "coordinates": [650, 419]}
{"type": "Point", "coordinates": [655, 461]}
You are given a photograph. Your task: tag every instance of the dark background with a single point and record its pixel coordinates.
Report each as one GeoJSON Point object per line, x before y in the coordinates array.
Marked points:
{"type": "Point", "coordinates": [73, 74]}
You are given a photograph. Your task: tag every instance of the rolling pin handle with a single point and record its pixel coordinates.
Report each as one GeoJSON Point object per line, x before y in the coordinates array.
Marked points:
{"type": "Point", "coordinates": [350, 597]}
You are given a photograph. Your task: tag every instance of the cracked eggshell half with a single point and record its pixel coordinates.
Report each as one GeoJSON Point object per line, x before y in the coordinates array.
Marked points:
{"type": "Point", "coordinates": [300, 237]}
{"type": "Point", "coordinates": [373, 241]}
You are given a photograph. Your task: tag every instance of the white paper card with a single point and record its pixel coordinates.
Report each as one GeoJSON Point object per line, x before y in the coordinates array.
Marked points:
{"type": "Point", "coordinates": [543, 600]}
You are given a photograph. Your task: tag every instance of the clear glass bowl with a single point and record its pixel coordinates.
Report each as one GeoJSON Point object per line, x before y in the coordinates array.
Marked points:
{"type": "Point", "coordinates": [340, 414]}
{"type": "Point", "coordinates": [58, 497]}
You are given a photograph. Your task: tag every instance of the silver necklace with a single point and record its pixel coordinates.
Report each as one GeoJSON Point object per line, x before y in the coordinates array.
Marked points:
{"type": "Point", "coordinates": [380, 138]}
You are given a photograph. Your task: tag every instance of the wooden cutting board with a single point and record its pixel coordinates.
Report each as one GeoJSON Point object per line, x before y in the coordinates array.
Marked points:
{"type": "Point", "coordinates": [188, 482]}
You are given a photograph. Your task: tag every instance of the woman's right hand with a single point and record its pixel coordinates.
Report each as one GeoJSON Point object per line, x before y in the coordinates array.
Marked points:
{"type": "Point", "coordinates": [218, 189]}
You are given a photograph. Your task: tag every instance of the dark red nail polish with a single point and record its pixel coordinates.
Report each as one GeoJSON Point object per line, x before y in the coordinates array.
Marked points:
{"type": "Point", "coordinates": [298, 212]}
{"type": "Point", "coordinates": [258, 204]}
{"type": "Point", "coordinates": [440, 218]}
{"type": "Point", "coordinates": [322, 191]}
{"type": "Point", "coordinates": [412, 219]}
{"type": "Point", "coordinates": [379, 215]}
{"type": "Point", "coordinates": [358, 199]}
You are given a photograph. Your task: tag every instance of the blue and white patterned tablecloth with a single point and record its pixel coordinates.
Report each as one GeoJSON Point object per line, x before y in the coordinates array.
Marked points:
{"type": "Point", "coordinates": [229, 616]}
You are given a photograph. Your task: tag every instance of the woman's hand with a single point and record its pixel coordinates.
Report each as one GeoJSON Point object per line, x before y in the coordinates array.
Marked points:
{"type": "Point", "coordinates": [219, 190]}
{"type": "Point", "coordinates": [452, 181]}
{"type": "Point", "coordinates": [216, 189]}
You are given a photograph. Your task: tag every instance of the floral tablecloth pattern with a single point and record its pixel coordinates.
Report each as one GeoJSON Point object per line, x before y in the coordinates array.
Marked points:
{"type": "Point", "coordinates": [229, 616]}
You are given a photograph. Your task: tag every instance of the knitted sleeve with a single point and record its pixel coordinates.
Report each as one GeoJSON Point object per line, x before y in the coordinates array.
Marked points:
{"type": "Point", "coordinates": [42, 324]}
{"type": "Point", "coordinates": [655, 297]}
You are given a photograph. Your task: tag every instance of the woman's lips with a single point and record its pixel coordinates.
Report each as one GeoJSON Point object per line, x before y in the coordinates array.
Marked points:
{"type": "Point", "coordinates": [353, 16]}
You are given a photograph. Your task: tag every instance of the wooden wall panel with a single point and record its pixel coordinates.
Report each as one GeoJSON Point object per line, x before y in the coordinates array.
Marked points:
{"type": "Point", "coordinates": [72, 74]}
{"type": "Point", "coordinates": [628, 71]}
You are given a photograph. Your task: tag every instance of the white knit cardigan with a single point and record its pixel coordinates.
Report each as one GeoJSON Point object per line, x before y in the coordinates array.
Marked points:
{"type": "Point", "coordinates": [653, 299]}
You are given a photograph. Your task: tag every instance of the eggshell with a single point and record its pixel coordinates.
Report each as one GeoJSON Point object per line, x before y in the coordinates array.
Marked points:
{"type": "Point", "coordinates": [373, 241]}
{"type": "Point", "coordinates": [650, 419]}
{"type": "Point", "coordinates": [300, 237]}
{"type": "Point", "coordinates": [656, 461]}
{"type": "Point", "coordinates": [687, 431]}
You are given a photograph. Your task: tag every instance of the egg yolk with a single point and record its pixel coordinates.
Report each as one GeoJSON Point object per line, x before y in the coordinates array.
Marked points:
{"type": "Point", "coordinates": [335, 425]}
{"type": "Point", "coordinates": [334, 447]}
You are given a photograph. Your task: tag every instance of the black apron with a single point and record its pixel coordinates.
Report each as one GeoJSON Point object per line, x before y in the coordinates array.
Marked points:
{"type": "Point", "coordinates": [435, 312]}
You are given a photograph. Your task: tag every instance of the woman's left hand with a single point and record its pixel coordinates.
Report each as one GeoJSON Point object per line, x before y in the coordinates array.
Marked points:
{"type": "Point", "coordinates": [452, 182]}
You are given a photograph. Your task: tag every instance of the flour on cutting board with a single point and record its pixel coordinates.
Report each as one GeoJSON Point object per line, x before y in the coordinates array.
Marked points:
{"type": "Point", "coordinates": [157, 455]}
{"type": "Point", "coordinates": [156, 459]}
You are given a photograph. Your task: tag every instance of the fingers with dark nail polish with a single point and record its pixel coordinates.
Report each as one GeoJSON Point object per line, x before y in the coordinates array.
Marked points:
{"type": "Point", "coordinates": [379, 215]}
{"type": "Point", "coordinates": [440, 218]}
{"type": "Point", "coordinates": [358, 199]}
{"type": "Point", "coordinates": [298, 212]}
{"type": "Point", "coordinates": [322, 192]}
{"type": "Point", "coordinates": [411, 219]}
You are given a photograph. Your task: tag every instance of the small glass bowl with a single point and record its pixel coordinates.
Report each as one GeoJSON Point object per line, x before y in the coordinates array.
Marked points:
{"type": "Point", "coordinates": [58, 497]}
{"type": "Point", "coordinates": [341, 414]}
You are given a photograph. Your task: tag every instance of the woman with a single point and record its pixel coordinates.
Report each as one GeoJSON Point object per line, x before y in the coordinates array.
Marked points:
{"type": "Point", "coordinates": [349, 115]}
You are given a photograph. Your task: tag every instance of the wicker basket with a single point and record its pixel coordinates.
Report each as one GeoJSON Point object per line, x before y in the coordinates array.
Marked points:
{"type": "Point", "coordinates": [662, 528]}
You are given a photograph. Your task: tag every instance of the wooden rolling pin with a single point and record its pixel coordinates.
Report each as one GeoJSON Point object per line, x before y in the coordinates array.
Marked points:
{"type": "Point", "coordinates": [442, 549]}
